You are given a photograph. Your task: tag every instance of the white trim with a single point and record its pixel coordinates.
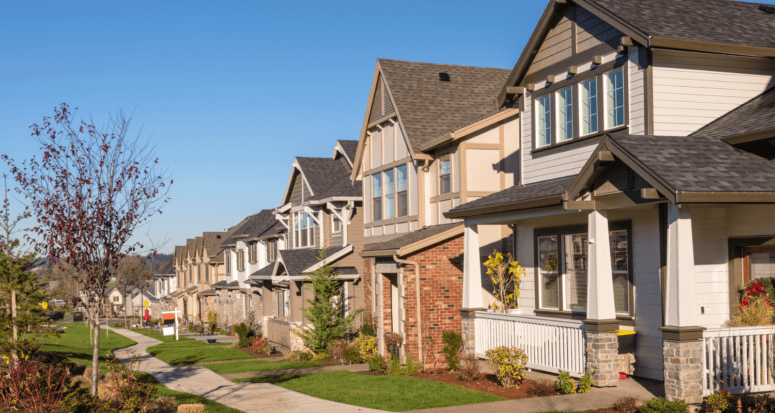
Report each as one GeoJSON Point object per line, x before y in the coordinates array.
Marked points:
{"type": "Point", "coordinates": [306, 277]}
{"type": "Point", "coordinates": [331, 258]}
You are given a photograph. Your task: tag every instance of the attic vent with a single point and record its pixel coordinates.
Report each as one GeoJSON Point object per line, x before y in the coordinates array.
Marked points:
{"type": "Point", "coordinates": [444, 77]}
{"type": "Point", "coordinates": [218, 236]}
{"type": "Point", "coordinates": [767, 8]}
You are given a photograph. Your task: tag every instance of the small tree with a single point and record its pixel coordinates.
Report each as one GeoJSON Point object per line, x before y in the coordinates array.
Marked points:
{"type": "Point", "coordinates": [89, 191]}
{"type": "Point", "coordinates": [324, 312]}
{"type": "Point", "coordinates": [133, 270]}
{"type": "Point", "coordinates": [505, 276]}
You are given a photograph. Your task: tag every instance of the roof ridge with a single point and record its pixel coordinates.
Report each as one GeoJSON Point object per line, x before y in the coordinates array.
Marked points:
{"type": "Point", "coordinates": [381, 59]}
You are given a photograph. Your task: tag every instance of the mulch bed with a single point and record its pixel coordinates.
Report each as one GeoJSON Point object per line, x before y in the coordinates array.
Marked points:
{"type": "Point", "coordinates": [253, 354]}
{"type": "Point", "coordinates": [487, 383]}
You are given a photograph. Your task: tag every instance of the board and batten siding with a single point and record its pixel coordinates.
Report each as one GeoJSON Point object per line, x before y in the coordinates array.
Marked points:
{"type": "Point", "coordinates": [693, 89]}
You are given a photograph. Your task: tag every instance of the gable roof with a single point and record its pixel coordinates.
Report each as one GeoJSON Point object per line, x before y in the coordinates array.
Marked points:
{"type": "Point", "coordinates": [164, 268]}
{"type": "Point", "coordinates": [350, 147]}
{"type": "Point", "coordinates": [296, 262]}
{"type": "Point", "coordinates": [413, 241]}
{"type": "Point", "coordinates": [326, 178]}
{"type": "Point", "coordinates": [211, 242]}
{"type": "Point", "coordinates": [751, 120]}
{"type": "Point", "coordinates": [198, 247]}
{"type": "Point", "coordinates": [179, 250]}
{"type": "Point", "coordinates": [190, 245]}
{"type": "Point", "coordinates": [241, 230]}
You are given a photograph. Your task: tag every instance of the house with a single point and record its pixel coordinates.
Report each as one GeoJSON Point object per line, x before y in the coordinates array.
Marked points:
{"type": "Point", "coordinates": [644, 196]}
{"type": "Point", "coordinates": [163, 284]}
{"type": "Point", "coordinates": [322, 212]}
{"type": "Point", "coordinates": [418, 158]}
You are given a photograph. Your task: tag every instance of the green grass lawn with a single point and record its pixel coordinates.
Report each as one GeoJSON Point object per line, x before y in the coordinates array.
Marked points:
{"type": "Point", "coordinates": [75, 343]}
{"type": "Point", "coordinates": [192, 351]}
{"type": "Point", "coordinates": [259, 365]}
{"type": "Point", "coordinates": [392, 393]}
{"type": "Point", "coordinates": [157, 335]}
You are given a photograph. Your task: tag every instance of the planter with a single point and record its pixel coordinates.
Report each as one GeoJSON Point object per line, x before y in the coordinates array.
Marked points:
{"type": "Point", "coordinates": [210, 340]}
{"type": "Point", "coordinates": [392, 348]}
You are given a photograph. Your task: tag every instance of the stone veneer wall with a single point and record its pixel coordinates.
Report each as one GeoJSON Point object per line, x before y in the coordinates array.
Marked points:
{"type": "Point", "coordinates": [603, 357]}
{"type": "Point", "coordinates": [683, 370]}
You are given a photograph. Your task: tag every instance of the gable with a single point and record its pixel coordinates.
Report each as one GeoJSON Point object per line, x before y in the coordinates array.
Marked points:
{"type": "Point", "coordinates": [299, 191]}
{"type": "Point", "coordinates": [618, 178]}
{"type": "Point", "coordinates": [381, 105]}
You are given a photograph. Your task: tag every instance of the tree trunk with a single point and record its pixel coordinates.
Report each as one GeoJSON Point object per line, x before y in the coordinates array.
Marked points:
{"type": "Point", "coordinates": [15, 335]}
{"type": "Point", "coordinates": [95, 360]}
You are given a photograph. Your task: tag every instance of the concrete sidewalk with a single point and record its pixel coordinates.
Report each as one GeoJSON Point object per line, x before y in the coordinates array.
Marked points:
{"type": "Point", "coordinates": [248, 397]}
{"type": "Point", "coordinates": [345, 367]}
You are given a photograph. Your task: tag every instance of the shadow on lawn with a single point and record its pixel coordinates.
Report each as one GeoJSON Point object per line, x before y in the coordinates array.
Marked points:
{"type": "Point", "coordinates": [273, 379]}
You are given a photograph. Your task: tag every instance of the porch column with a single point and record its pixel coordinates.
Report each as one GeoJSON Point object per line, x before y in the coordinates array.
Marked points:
{"type": "Point", "coordinates": [601, 323]}
{"type": "Point", "coordinates": [472, 269]}
{"type": "Point", "coordinates": [681, 335]}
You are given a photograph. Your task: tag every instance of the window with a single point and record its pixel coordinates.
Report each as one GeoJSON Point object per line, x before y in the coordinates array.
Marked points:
{"type": "Point", "coordinates": [565, 101]}
{"type": "Point", "coordinates": [589, 106]}
{"type": "Point", "coordinates": [253, 252]}
{"type": "Point", "coordinates": [544, 111]}
{"type": "Point", "coordinates": [304, 230]}
{"type": "Point", "coordinates": [376, 194]}
{"type": "Point", "coordinates": [241, 260]}
{"type": "Point", "coordinates": [445, 170]}
{"type": "Point", "coordinates": [563, 265]}
{"type": "Point", "coordinates": [115, 299]}
{"type": "Point", "coordinates": [227, 262]}
{"type": "Point", "coordinates": [199, 273]}
{"type": "Point", "coordinates": [614, 99]}
{"type": "Point", "coordinates": [759, 262]}
{"type": "Point", "coordinates": [336, 225]}
{"type": "Point", "coordinates": [402, 198]}
{"type": "Point", "coordinates": [390, 195]}
{"type": "Point", "coordinates": [271, 248]}
{"type": "Point", "coordinates": [190, 273]}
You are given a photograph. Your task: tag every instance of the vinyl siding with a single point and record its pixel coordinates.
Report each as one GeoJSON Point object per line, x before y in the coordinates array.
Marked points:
{"type": "Point", "coordinates": [296, 190]}
{"type": "Point", "coordinates": [592, 31]}
{"type": "Point", "coordinates": [557, 45]}
{"type": "Point", "coordinates": [637, 87]}
{"type": "Point", "coordinates": [376, 105]}
{"type": "Point", "coordinates": [693, 89]}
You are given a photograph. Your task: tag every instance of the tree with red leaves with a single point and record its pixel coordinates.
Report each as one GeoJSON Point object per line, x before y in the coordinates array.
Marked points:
{"type": "Point", "coordinates": [89, 190]}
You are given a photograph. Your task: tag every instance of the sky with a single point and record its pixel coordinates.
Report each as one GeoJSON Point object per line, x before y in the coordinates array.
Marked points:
{"type": "Point", "coordinates": [228, 93]}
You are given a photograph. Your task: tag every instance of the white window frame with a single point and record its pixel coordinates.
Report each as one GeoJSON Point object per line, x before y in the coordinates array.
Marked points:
{"type": "Point", "coordinates": [606, 91]}
{"type": "Point", "coordinates": [548, 118]}
{"type": "Point", "coordinates": [560, 124]}
{"type": "Point", "coordinates": [405, 191]}
{"type": "Point", "coordinates": [389, 197]}
{"type": "Point", "coordinates": [593, 107]}
{"type": "Point", "coordinates": [334, 221]}
{"type": "Point", "coordinates": [305, 223]}
{"type": "Point", "coordinates": [448, 159]}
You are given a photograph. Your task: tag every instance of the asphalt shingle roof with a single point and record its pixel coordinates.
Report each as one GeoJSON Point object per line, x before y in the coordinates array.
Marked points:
{"type": "Point", "coordinates": [411, 238]}
{"type": "Point", "coordinates": [429, 107]}
{"type": "Point", "coordinates": [179, 251]}
{"type": "Point", "coordinates": [350, 148]}
{"type": "Point", "coordinates": [164, 267]}
{"type": "Point", "coordinates": [267, 270]}
{"type": "Point", "coordinates": [189, 248]}
{"type": "Point", "coordinates": [327, 178]}
{"type": "Point", "coordinates": [717, 21]}
{"type": "Point", "coordinates": [212, 242]}
{"type": "Point", "coordinates": [297, 261]}
{"type": "Point", "coordinates": [252, 226]}
{"type": "Point", "coordinates": [758, 114]}
{"type": "Point", "coordinates": [700, 164]}
{"type": "Point", "coordinates": [516, 194]}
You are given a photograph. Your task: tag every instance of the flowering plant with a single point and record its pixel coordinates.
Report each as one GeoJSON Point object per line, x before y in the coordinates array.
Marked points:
{"type": "Point", "coordinates": [393, 338]}
{"type": "Point", "coordinates": [755, 290]}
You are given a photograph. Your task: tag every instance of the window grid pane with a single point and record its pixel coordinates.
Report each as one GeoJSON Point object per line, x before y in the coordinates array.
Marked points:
{"type": "Point", "coordinates": [390, 206]}
{"type": "Point", "coordinates": [544, 121]}
{"type": "Point", "coordinates": [547, 258]}
{"type": "Point", "coordinates": [615, 96]}
{"type": "Point", "coordinates": [376, 188]}
{"type": "Point", "coordinates": [401, 178]}
{"type": "Point", "coordinates": [576, 270]}
{"type": "Point", "coordinates": [566, 114]}
{"type": "Point", "coordinates": [589, 106]}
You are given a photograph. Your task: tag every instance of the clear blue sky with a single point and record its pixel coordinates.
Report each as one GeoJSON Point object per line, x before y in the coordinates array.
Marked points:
{"type": "Point", "coordinates": [230, 92]}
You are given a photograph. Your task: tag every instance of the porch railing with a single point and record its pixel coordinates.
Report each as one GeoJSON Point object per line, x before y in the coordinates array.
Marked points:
{"type": "Point", "coordinates": [550, 344]}
{"type": "Point", "coordinates": [739, 359]}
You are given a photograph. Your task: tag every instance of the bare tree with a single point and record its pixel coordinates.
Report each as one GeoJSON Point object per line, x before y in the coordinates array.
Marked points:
{"type": "Point", "coordinates": [89, 191]}
{"type": "Point", "coordinates": [132, 271]}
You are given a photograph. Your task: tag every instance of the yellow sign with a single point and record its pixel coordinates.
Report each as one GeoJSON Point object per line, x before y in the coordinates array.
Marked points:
{"type": "Point", "coordinates": [145, 303]}
{"type": "Point", "coordinates": [44, 305]}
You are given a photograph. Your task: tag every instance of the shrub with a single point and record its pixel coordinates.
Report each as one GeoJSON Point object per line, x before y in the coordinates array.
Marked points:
{"type": "Point", "coordinates": [292, 356]}
{"type": "Point", "coordinates": [245, 342]}
{"type": "Point", "coordinates": [212, 319]}
{"type": "Point", "coordinates": [660, 405]}
{"type": "Point", "coordinates": [351, 355]}
{"type": "Point", "coordinates": [321, 356]}
{"type": "Point", "coordinates": [123, 390]}
{"type": "Point", "coordinates": [565, 384]}
{"type": "Point", "coordinates": [453, 342]}
{"type": "Point", "coordinates": [719, 401]}
{"type": "Point", "coordinates": [542, 388]}
{"type": "Point", "coordinates": [469, 368]}
{"type": "Point", "coordinates": [223, 332]}
{"type": "Point", "coordinates": [32, 386]}
{"type": "Point", "coordinates": [241, 330]}
{"type": "Point", "coordinates": [378, 364]}
{"type": "Point", "coordinates": [367, 346]}
{"type": "Point", "coordinates": [505, 276]}
{"type": "Point", "coordinates": [626, 405]}
{"type": "Point", "coordinates": [586, 382]}
{"type": "Point", "coordinates": [260, 345]}
{"type": "Point", "coordinates": [80, 401]}
{"type": "Point", "coordinates": [393, 339]}
{"type": "Point", "coordinates": [395, 365]}
{"type": "Point", "coordinates": [337, 348]}
{"type": "Point", "coordinates": [368, 327]}
{"type": "Point", "coordinates": [412, 367]}
{"type": "Point", "coordinates": [756, 311]}
{"type": "Point", "coordinates": [508, 363]}
{"type": "Point", "coordinates": [305, 356]}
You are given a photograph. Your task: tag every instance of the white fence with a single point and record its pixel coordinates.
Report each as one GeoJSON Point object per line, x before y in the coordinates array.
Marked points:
{"type": "Point", "coordinates": [738, 359]}
{"type": "Point", "coordinates": [550, 344]}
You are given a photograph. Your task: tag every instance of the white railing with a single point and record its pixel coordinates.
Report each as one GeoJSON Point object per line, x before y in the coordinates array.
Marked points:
{"type": "Point", "coordinates": [550, 344]}
{"type": "Point", "coordinates": [738, 359]}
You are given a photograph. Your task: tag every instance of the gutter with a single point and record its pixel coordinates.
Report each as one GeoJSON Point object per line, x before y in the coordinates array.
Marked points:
{"type": "Point", "coordinates": [417, 305]}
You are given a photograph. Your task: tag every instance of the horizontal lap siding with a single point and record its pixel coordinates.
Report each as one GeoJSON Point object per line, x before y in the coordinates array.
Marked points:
{"type": "Point", "coordinates": [711, 274]}
{"type": "Point", "coordinates": [557, 45]}
{"type": "Point", "coordinates": [692, 89]}
{"type": "Point", "coordinates": [637, 81]}
{"type": "Point", "coordinates": [593, 31]}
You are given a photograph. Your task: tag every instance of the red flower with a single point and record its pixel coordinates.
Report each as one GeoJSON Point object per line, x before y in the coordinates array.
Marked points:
{"type": "Point", "coordinates": [745, 302]}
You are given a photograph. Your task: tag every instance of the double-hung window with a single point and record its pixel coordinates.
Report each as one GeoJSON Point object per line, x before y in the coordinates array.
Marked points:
{"type": "Point", "coordinates": [304, 230]}
{"type": "Point", "coordinates": [227, 262]}
{"type": "Point", "coordinates": [207, 273]}
{"type": "Point", "coordinates": [190, 273]}
{"type": "Point", "coordinates": [402, 187]}
{"type": "Point", "coordinates": [271, 250]}
{"type": "Point", "coordinates": [253, 252]}
{"type": "Point", "coordinates": [614, 90]}
{"type": "Point", "coordinates": [544, 118]}
{"type": "Point", "coordinates": [199, 273]}
{"type": "Point", "coordinates": [565, 112]}
{"type": "Point", "coordinates": [390, 195]}
{"type": "Point", "coordinates": [445, 171]}
{"type": "Point", "coordinates": [241, 260]}
{"type": "Point", "coordinates": [336, 225]}
{"type": "Point", "coordinates": [589, 107]}
{"type": "Point", "coordinates": [376, 194]}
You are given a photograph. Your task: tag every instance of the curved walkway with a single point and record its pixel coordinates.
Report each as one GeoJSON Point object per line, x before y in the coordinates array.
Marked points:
{"type": "Point", "coordinates": [248, 397]}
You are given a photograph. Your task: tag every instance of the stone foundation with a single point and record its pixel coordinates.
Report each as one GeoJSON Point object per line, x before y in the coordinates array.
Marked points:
{"type": "Point", "coordinates": [603, 357]}
{"type": "Point", "coordinates": [683, 370]}
{"type": "Point", "coordinates": [468, 321]}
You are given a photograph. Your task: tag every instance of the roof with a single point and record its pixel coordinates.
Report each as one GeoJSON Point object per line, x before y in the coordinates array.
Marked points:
{"type": "Point", "coordinates": [327, 178]}
{"type": "Point", "coordinates": [276, 229]}
{"type": "Point", "coordinates": [251, 227]}
{"type": "Point", "coordinates": [756, 115]}
{"type": "Point", "coordinates": [428, 107]}
{"type": "Point", "coordinates": [179, 250]}
{"type": "Point", "coordinates": [164, 268]}
{"type": "Point", "coordinates": [713, 21]}
{"type": "Point", "coordinates": [394, 245]}
{"type": "Point", "coordinates": [297, 261]}
{"type": "Point", "coordinates": [505, 199]}
{"type": "Point", "coordinates": [211, 242]}
{"type": "Point", "coordinates": [189, 247]}
{"type": "Point", "coordinates": [219, 284]}
{"type": "Point", "coordinates": [346, 270]}
{"type": "Point", "coordinates": [208, 292]}
{"type": "Point", "coordinates": [350, 148]}
{"type": "Point", "coordinates": [198, 246]}
{"type": "Point", "coordinates": [268, 270]}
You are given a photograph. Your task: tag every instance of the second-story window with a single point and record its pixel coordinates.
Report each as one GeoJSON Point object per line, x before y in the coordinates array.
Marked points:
{"type": "Point", "coordinates": [336, 225]}
{"type": "Point", "coordinates": [544, 117]}
{"type": "Point", "coordinates": [614, 99]}
{"type": "Point", "coordinates": [304, 230]}
{"type": "Point", "coordinates": [445, 170]}
{"type": "Point", "coordinates": [241, 260]}
{"type": "Point", "coordinates": [565, 112]}
{"type": "Point", "coordinates": [199, 273]}
{"type": "Point", "coordinates": [271, 250]}
{"type": "Point", "coordinates": [589, 106]}
{"type": "Point", "coordinates": [390, 195]}
{"type": "Point", "coordinates": [401, 196]}
{"type": "Point", "coordinates": [253, 252]}
{"type": "Point", "coordinates": [207, 273]}
{"type": "Point", "coordinates": [190, 273]}
{"type": "Point", "coordinates": [376, 193]}
{"type": "Point", "coordinates": [227, 262]}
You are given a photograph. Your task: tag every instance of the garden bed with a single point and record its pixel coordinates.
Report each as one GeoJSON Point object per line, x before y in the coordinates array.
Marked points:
{"type": "Point", "coordinates": [486, 383]}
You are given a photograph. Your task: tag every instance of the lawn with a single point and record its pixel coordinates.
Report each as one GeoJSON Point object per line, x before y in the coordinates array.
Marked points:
{"type": "Point", "coordinates": [392, 393]}
{"type": "Point", "coordinates": [192, 351]}
{"type": "Point", "coordinates": [259, 365]}
{"type": "Point", "coordinates": [75, 343]}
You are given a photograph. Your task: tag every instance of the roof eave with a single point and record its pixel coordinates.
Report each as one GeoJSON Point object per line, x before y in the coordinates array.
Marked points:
{"type": "Point", "coordinates": [711, 47]}
{"type": "Point", "coordinates": [555, 200]}
{"type": "Point", "coordinates": [469, 129]}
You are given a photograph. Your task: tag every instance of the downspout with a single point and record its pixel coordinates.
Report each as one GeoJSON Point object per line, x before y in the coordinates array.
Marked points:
{"type": "Point", "coordinates": [417, 305]}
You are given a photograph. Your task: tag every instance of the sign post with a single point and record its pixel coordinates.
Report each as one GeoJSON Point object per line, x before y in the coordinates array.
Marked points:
{"type": "Point", "coordinates": [170, 323]}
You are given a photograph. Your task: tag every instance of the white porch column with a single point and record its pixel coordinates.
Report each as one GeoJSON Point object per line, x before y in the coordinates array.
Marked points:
{"type": "Point", "coordinates": [472, 269]}
{"type": "Point", "coordinates": [680, 308]}
{"type": "Point", "coordinates": [600, 284]}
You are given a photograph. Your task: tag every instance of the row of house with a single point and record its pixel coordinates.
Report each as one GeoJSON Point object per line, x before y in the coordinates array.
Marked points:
{"type": "Point", "coordinates": [625, 161]}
